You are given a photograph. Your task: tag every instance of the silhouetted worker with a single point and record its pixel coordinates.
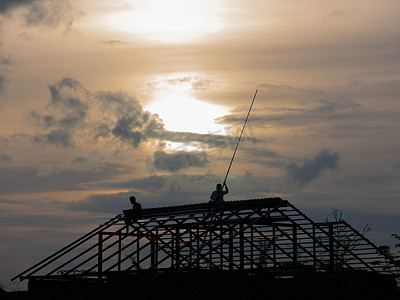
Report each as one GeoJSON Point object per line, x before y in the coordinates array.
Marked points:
{"type": "Point", "coordinates": [218, 196]}
{"type": "Point", "coordinates": [135, 213]}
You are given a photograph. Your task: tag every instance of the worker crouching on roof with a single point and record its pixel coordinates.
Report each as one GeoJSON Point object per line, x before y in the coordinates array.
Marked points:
{"type": "Point", "coordinates": [217, 197]}
{"type": "Point", "coordinates": [135, 213]}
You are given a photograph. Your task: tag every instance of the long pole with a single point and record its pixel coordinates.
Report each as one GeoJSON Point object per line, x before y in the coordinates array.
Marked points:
{"type": "Point", "coordinates": [240, 136]}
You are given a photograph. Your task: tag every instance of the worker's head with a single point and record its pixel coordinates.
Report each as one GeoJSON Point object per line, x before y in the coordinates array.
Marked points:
{"type": "Point", "coordinates": [132, 199]}
{"type": "Point", "coordinates": [219, 187]}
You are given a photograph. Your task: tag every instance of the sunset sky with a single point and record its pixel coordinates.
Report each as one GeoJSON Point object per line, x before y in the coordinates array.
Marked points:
{"type": "Point", "coordinates": [100, 100]}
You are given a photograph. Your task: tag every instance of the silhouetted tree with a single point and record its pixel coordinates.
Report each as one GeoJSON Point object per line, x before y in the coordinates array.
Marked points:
{"type": "Point", "coordinates": [392, 254]}
{"type": "Point", "coordinates": [347, 241]}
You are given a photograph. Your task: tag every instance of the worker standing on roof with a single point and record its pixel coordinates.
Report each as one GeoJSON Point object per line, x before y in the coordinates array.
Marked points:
{"type": "Point", "coordinates": [218, 196]}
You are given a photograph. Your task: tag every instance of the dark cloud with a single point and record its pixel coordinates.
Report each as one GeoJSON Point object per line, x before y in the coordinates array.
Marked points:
{"type": "Point", "coordinates": [29, 179]}
{"type": "Point", "coordinates": [4, 61]}
{"type": "Point", "coordinates": [45, 13]}
{"type": "Point", "coordinates": [263, 156]}
{"type": "Point", "coordinates": [124, 130]}
{"type": "Point", "coordinates": [392, 162]}
{"type": "Point", "coordinates": [311, 168]}
{"type": "Point", "coordinates": [71, 98]}
{"type": "Point", "coordinates": [60, 138]}
{"type": "Point", "coordinates": [113, 204]}
{"type": "Point", "coordinates": [2, 82]}
{"type": "Point", "coordinates": [126, 119]}
{"type": "Point", "coordinates": [101, 130]}
{"type": "Point", "coordinates": [4, 158]}
{"type": "Point", "coordinates": [67, 91]}
{"type": "Point", "coordinates": [67, 110]}
{"type": "Point", "coordinates": [7, 5]}
{"type": "Point", "coordinates": [339, 103]}
{"type": "Point", "coordinates": [113, 42]}
{"type": "Point", "coordinates": [178, 160]}
{"type": "Point", "coordinates": [45, 120]}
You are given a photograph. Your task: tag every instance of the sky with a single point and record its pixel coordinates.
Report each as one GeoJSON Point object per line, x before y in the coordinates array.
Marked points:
{"type": "Point", "coordinates": [100, 100]}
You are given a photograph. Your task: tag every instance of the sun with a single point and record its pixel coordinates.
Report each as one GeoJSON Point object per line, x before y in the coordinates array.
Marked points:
{"type": "Point", "coordinates": [168, 20]}
{"type": "Point", "coordinates": [183, 113]}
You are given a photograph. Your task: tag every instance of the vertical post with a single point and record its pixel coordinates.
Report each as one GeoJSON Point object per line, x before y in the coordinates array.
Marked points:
{"type": "Point", "coordinates": [156, 241]}
{"type": "Point", "coordinates": [314, 248]}
{"type": "Point", "coordinates": [177, 248]}
{"type": "Point", "coordinates": [295, 245]}
{"type": "Point", "coordinates": [152, 251]}
{"type": "Point", "coordinates": [198, 247]}
{"type": "Point", "coordinates": [274, 246]}
{"type": "Point", "coordinates": [100, 256]}
{"type": "Point", "coordinates": [190, 245]}
{"type": "Point", "coordinates": [172, 241]}
{"type": "Point", "coordinates": [119, 251]}
{"type": "Point", "coordinates": [252, 249]}
{"type": "Point", "coordinates": [230, 249]}
{"type": "Point", "coordinates": [241, 246]}
{"type": "Point", "coordinates": [210, 247]}
{"type": "Point", "coordinates": [331, 249]}
{"type": "Point", "coordinates": [221, 248]}
{"type": "Point", "coordinates": [137, 248]}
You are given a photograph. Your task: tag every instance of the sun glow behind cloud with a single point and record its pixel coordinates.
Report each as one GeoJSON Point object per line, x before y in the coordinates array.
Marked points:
{"type": "Point", "coordinates": [174, 21]}
{"type": "Point", "coordinates": [181, 112]}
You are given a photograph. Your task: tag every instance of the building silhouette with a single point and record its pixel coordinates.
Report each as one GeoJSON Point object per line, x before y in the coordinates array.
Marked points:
{"type": "Point", "coordinates": [252, 249]}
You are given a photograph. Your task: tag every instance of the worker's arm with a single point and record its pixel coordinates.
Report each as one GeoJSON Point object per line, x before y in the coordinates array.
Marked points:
{"type": "Point", "coordinates": [226, 188]}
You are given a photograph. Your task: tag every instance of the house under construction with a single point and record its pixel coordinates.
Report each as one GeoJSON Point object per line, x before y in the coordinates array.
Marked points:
{"type": "Point", "coordinates": [250, 249]}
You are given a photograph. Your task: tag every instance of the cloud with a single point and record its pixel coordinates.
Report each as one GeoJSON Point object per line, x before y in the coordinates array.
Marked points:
{"type": "Point", "coordinates": [61, 138]}
{"type": "Point", "coordinates": [2, 82]}
{"type": "Point", "coordinates": [311, 168]}
{"type": "Point", "coordinates": [336, 14]}
{"type": "Point", "coordinates": [7, 5]}
{"type": "Point", "coordinates": [44, 13]}
{"type": "Point", "coordinates": [66, 111]}
{"type": "Point", "coordinates": [178, 160]}
{"type": "Point", "coordinates": [296, 104]}
{"type": "Point", "coordinates": [74, 109]}
{"type": "Point", "coordinates": [203, 140]}
{"type": "Point", "coordinates": [105, 203]}
{"type": "Point", "coordinates": [75, 112]}
{"type": "Point", "coordinates": [152, 191]}
{"type": "Point", "coordinates": [177, 188]}
{"type": "Point", "coordinates": [337, 104]}
{"type": "Point", "coordinates": [48, 178]}
{"type": "Point", "coordinates": [125, 119]}
{"type": "Point", "coordinates": [392, 162]}
{"type": "Point", "coordinates": [284, 92]}
{"type": "Point", "coordinates": [68, 105]}
{"type": "Point", "coordinates": [3, 70]}
{"type": "Point", "coordinates": [4, 158]}
{"type": "Point", "coordinates": [113, 42]}
{"type": "Point", "coordinates": [192, 83]}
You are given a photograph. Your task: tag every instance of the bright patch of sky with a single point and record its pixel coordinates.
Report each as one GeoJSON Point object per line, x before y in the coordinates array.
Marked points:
{"type": "Point", "coordinates": [180, 112]}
